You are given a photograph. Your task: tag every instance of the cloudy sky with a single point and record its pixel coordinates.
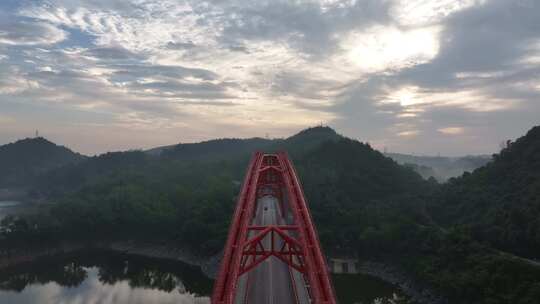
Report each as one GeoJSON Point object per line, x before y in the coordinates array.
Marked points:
{"type": "Point", "coordinates": [415, 76]}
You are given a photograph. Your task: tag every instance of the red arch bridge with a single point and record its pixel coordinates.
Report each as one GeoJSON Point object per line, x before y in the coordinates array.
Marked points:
{"type": "Point", "coordinates": [273, 254]}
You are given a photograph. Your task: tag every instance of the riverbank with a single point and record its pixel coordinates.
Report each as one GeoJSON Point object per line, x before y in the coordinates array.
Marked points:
{"type": "Point", "coordinates": [208, 265]}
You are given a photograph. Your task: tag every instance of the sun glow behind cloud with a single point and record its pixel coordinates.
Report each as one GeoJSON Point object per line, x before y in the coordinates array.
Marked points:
{"type": "Point", "coordinates": [389, 48]}
{"type": "Point", "coordinates": [452, 130]}
{"type": "Point", "coordinates": [411, 133]}
{"type": "Point", "coordinates": [404, 96]}
{"type": "Point", "coordinates": [414, 99]}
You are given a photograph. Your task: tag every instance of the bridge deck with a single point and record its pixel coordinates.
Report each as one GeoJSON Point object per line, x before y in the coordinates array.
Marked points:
{"type": "Point", "coordinates": [272, 281]}
{"type": "Point", "coordinates": [273, 253]}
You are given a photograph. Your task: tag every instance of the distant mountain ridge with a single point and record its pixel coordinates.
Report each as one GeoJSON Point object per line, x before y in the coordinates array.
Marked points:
{"type": "Point", "coordinates": [226, 147]}
{"type": "Point", "coordinates": [26, 159]}
{"type": "Point", "coordinates": [209, 148]}
{"type": "Point", "coordinates": [233, 150]}
{"type": "Point", "coordinates": [440, 167]}
{"type": "Point", "coordinates": [217, 148]}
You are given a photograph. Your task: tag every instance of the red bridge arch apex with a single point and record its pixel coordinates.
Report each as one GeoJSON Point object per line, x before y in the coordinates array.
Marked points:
{"type": "Point", "coordinates": [274, 175]}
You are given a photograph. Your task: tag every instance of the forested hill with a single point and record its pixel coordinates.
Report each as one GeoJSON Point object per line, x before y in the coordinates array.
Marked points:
{"type": "Point", "coordinates": [230, 148]}
{"type": "Point", "coordinates": [500, 202]}
{"type": "Point", "coordinates": [187, 192]}
{"type": "Point", "coordinates": [22, 161]}
{"type": "Point", "coordinates": [364, 204]}
{"type": "Point", "coordinates": [216, 149]}
{"type": "Point", "coordinates": [228, 152]}
{"type": "Point", "coordinates": [360, 198]}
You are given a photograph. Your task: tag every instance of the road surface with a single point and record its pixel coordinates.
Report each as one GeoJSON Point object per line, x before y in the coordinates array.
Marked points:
{"type": "Point", "coordinates": [272, 281]}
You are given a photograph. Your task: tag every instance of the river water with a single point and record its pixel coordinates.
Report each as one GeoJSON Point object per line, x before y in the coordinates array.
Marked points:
{"type": "Point", "coordinates": [112, 278]}
{"type": "Point", "coordinates": [8, 207]}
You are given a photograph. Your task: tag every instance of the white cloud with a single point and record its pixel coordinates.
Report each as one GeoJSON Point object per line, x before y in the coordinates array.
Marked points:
{"type": "Point", "coordinates": [472, 100]}
{"type": "Point", "coordinates": [422, 12]}
{"type": "Point", "coordinates": [452, 130]}
{"type": "Point", "coordinates": [533, 54]}
{"type": "Point", "coordinates": [13, 82]}
{"type": "Point", "coordinates": [389, 48]}
{"type": "Point", "coordinates": [465, 75]}
{"type": "Point", "coordinates": [153, 26]}
{"type": "Point", "coordinates": [416, 99]}
{"type": "Point", "coordinates": [410, 133]}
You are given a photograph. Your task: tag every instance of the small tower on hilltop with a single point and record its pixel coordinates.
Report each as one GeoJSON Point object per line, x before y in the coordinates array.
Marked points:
{"type": "Point", "coordinates": [37, 133]}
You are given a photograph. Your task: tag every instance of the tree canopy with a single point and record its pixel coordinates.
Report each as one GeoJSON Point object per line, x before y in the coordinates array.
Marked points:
{"type": "Point", "coordinates": [364, 204]}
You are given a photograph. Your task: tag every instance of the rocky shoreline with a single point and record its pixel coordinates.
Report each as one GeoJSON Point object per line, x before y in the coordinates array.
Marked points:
{"type": "Point", "coordinates": [209, 266]}
{"type": "Point", "coordinates": [10, 257]}
{"type": "Point", "coordinates": [417, 293]}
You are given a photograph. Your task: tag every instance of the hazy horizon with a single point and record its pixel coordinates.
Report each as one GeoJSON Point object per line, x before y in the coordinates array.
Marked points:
{"type": "Point", "coordinates": [384, 150]}
{"type": "Point", "coordinates": [417, 77]}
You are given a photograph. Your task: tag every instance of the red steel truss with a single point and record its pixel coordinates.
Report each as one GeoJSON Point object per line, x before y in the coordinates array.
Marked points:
{"type": "Point", "coordinates": [299, 246]}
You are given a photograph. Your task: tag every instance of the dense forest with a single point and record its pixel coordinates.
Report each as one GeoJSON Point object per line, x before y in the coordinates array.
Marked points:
{"type": "Point", "coordinates": [364, 204]}
{"type": "Point", "coordinates": [500, 202]}
{"type": "Point", "coordinates": [23, 161]}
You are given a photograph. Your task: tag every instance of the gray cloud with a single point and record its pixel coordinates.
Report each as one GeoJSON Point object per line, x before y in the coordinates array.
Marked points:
{"type": "Point", "coordinates": [305, 26]}
{"type": "Point", "coordinates": [359, 112]}
{"type": "Point", "coordinates": [489, 38]}
{"type": "Point", "coordinates": [482, 49]}
{"type": "Point", "coordinates": [239, 48]}
{"type": "Point", "coordinates": [112, 53]}
{"type": "Point", "coordinates": [301, 86]}
{"type": "Point", "coordinates": [78, 88]}
{"type": "Point", "coordinates": [180, 45]}
{"type": "Point", "coordinates": [25, 32]}
{"type": "Point", "coordinates": [163, 61]}
{"type": "Point", "coordinates": [176, 89]}
{"type": "Point", "coordinates": [136, 70]}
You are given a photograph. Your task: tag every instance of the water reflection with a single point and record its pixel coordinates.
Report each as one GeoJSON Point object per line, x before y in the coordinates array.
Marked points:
{"type": "Point", "coordinates": [8, 207]}
{"type": "Point", "coordinates": [104, 278]}
{"type": "Point", "coordinates": [6, 204]}
{"type": "Point", "coordinates": [111, 278]}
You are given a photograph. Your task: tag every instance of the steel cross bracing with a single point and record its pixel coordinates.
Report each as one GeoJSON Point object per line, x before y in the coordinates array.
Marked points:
{"type": "Point", "coordinates": [299, 246]}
